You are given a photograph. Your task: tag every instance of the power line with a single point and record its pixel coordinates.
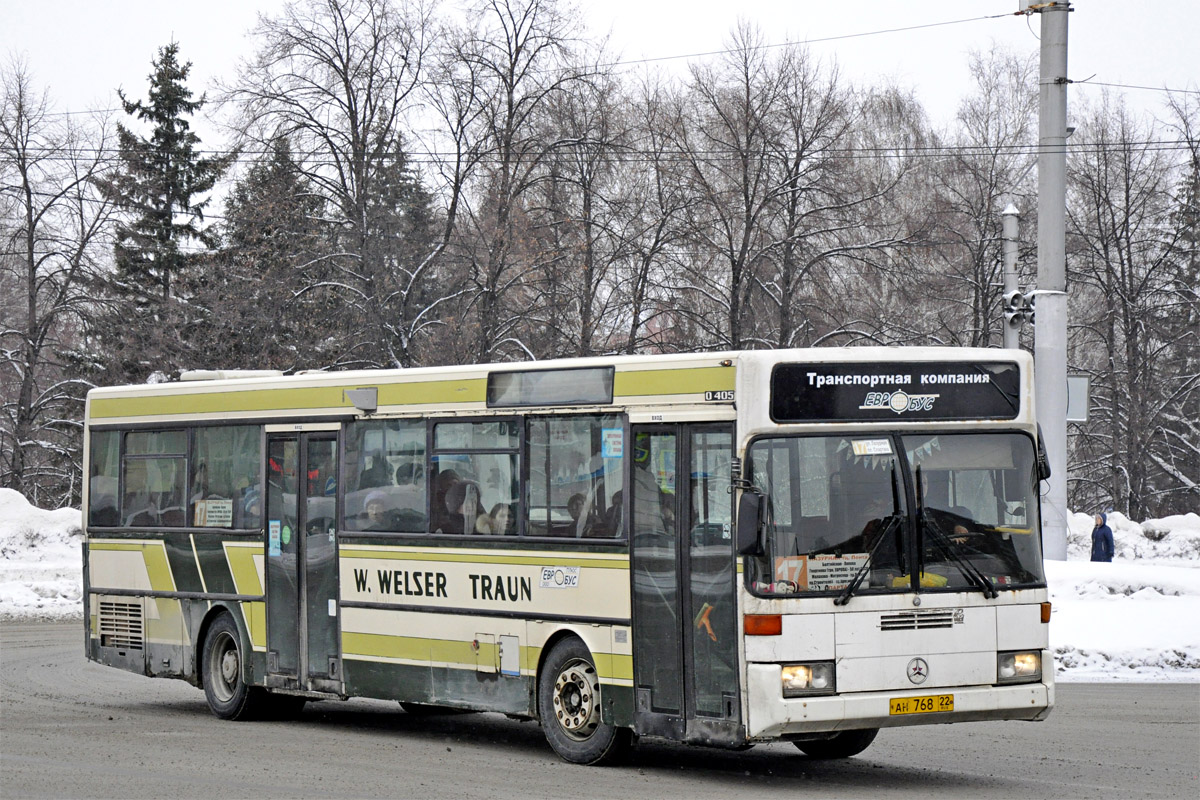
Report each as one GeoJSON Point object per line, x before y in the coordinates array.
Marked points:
{"type": "Point", "coordinates": [623, 152]}
{"type": "Point", "coordinates": [840, 37]}
{"type": "Point", "coordinates": [1167, 90]}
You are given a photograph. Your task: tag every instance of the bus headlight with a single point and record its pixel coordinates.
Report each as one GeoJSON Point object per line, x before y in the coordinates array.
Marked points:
{"type": "Point", "coordinates": [1019, 667]}
{"type": "Point", "coordinates": [807, 679]}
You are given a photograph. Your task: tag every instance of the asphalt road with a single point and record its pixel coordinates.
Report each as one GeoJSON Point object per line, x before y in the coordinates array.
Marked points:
{"type": "Point", "coordinates": [70, 728]}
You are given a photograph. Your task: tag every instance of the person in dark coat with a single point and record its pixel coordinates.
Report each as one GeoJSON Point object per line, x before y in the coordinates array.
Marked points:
{"type": "Point", "coordinates": [1102, 540]}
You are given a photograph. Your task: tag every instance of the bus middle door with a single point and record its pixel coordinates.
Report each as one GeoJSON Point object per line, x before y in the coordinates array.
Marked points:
{"type": "Point", "coordinates": [684, 584]}
{"type": "Point", "coordinates": [301, 562]}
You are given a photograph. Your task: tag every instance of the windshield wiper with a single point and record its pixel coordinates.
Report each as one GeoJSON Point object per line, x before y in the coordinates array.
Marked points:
{"type": "Point", "coordinates": [851, 587]}
{"type": "Point", "coordinates": [888, 529]}
{"type": "Point", "coordinates": [969, 570]}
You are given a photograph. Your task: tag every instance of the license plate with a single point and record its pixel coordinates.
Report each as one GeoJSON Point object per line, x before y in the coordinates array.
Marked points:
{"type": "Point", "coordinates": [929, 704]}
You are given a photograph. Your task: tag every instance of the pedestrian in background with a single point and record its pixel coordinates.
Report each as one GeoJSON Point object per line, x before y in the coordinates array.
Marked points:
{"type": "Point", "coordinates": [1102, 540]}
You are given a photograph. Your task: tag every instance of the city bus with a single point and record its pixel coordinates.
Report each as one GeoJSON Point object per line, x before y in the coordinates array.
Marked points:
{"type": "Point", "coordinates": [720, 549]}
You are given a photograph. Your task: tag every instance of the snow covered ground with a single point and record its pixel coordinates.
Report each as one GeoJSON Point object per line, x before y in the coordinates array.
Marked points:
{"type": "Point", "coordinates": [1136, 619]}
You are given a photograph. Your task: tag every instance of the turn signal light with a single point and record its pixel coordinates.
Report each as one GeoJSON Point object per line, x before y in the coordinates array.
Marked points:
{"type": "Point", "coordinates": [1045, 612]}
{"type": "Point", "coordinates": [763, 624]}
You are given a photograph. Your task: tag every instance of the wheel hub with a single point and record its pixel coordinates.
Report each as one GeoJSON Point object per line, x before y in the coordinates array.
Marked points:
{"type": "Point", "coordinates": [229, 666]}
{"type": "Point", "coordinates": [575, 706]}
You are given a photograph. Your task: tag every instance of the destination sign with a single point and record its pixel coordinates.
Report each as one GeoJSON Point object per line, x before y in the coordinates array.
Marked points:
{"type": "Point", "coordinates": [900, 391]}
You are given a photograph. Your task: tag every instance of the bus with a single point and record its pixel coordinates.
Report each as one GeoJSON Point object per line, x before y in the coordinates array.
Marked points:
{"type": "Point", "coordinates": [722, 549]}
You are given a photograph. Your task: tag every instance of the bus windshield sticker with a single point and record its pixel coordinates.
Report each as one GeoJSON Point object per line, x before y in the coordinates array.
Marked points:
{"type": "Point", "coordinates": [612, 443]}
{"type": "Point", "coordinates": [872, 447]}
{"type": "Point", "coordinates": [793, 569]}
{"type": "Point", "coordinates": [559, 578]}
{"type": "Point", "coordinates": [273, 548]}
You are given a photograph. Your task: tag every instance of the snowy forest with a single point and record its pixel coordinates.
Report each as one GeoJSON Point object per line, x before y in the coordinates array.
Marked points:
{"type": "Point", "coordinates": [406, 187]}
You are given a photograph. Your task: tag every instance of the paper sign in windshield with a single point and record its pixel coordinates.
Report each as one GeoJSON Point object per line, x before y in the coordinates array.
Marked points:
{"type": "Point", "coordinates": [872, 447]}
{"type": "Point", "coordinates": [819, 573]}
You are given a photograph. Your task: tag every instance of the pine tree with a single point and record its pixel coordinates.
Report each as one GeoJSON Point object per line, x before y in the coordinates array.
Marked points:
{"type": "Point", "coordinates": [260, 299]}
{"type": "Point", "coordinates": [162, 182]}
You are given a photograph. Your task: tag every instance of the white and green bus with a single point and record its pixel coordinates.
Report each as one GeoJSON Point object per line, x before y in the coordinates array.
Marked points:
{"type": "Point", "coordinates": [718, 548]}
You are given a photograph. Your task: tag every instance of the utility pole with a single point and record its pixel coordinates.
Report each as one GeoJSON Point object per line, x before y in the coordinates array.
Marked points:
{"type": "Point", "coordinates": [1013, 318]}
{"type": "Point", "coordinates": [1050, 328]}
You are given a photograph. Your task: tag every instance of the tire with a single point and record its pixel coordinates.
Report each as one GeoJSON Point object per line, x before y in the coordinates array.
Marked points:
{"type": "Point", "coordinates": [570, 709]}
{"type": "Point", "coordinates": [841, 745]}
{"type": "Point", "coordinates": [221, 671]}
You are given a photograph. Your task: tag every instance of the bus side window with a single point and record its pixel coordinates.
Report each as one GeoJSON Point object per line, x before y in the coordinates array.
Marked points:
{"type": "Point", "coordinates": [575, 474]}
{"type": "Point", "coordinates": [384, 476]}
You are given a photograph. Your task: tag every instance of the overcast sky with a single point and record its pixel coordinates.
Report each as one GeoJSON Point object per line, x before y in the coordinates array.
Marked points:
{"type": "Point", "coordinates": [82, 50]}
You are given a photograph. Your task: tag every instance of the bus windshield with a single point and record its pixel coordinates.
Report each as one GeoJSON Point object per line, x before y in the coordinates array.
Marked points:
{"type": "Point", "coordinates": [882, 513]}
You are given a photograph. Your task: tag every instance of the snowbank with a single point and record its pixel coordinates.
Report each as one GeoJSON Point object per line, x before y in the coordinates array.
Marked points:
{"type": "Point", "coordinates": [1136, 619]}
{"type": "Point", "coordinates": [41, 563]}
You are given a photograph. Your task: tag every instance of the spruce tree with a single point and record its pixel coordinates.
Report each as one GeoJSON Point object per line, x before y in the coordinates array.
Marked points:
{"type": "Point", "coordinates": [162, 183]}
{"type": "Point", "coordinates": [261, 299]}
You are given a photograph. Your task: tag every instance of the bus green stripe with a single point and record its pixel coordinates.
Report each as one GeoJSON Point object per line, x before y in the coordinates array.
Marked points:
{"type": "Point", "coordinates": [636, 383]}
{"type": "Point", "coordinates": [280, 401]}
{"type": "Point", "coordinates": [411, 648]}
{"type": "Point", "coordinates": [155, 556]}
{"type": "Point", "coordinates": [698, 380]}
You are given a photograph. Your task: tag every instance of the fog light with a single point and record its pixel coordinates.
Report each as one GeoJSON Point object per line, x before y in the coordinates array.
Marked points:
{"type": "Point", "coordinates": [1019, 667]}
{"type": "Point", "coordinates": [808, 679]}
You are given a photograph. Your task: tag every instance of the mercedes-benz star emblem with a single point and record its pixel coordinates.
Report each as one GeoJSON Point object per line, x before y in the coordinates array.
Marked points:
{"type": "Point", "coordinates": [918, 670]}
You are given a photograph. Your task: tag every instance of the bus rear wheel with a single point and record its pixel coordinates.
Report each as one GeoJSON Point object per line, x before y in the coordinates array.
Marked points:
{"type": "Point", "coordinates": [840, 745]}
{"type": "Point", "coordinates": [569, 704]}
{"type": "Point", "coordinates": [221, 671]}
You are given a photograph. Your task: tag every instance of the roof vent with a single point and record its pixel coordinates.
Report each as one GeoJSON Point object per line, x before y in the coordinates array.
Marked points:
{"type": "Point", "coordinates": [227, 374]}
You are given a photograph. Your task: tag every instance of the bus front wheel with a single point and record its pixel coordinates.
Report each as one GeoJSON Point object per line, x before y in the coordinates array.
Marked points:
{"type": "Point", "coordinates": [840, 745]}
{"type": "Point", "coordinates": [569, 704]}
{"type": "Point", "coordinates": [221, 670]}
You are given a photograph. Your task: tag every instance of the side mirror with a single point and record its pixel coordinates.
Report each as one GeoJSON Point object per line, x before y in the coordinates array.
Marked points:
{"type": "Point", "coordinates": [749, 524]}
{"type": "Point", "coordinates": [1043, 460]}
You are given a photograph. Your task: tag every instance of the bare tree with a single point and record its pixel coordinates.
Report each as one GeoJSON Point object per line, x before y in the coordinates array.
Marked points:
{"type": "Point", "coordinates": [52, 242]}
{"type": "Point", "coordinates": [1121, 245]}
{"type": "Point", "coordinates": [585, 203]}
{"type": "Point", "coordinates": [724, 139]}
{"type": "Point", "coordinates": [338, 79]}
{"type": "Point", "coordinates": [988, 156]}
{"type": "Point", "coordinates": [518, 54]}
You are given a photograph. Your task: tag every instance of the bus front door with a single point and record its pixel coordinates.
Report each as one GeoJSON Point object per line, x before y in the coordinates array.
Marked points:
{"type": "Point", "coordinates": [684, 589]}
{"type": "Point", "coordinates": [301, 562]}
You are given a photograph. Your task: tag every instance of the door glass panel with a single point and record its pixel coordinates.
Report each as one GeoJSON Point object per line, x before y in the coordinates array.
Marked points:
{"type": "Point", "coordinates": [711, 580]}
{"type": "Point", "coordinates": [320, 556]}
{"type": "Point", "coordinates": [657, 647]}
{"type": "Point", "coordinates": [282, 545]}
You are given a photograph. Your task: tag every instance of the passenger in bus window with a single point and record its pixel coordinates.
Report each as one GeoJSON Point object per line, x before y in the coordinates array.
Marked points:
{"type": "Point", "coordinates": [503, 522]}
{"type": "Point", "coordinates": [443, 482]}
{"type": "Point", "coordinates": [251, 508]}
{"type": "Point", "coordinates": [200, 482]}
{"type": "Point", "coordinates": [376, 510]}
{"type": "Point", "coordinates": [378, 474]}
{"type": "Point", "coordinates": [465, 515]}
{"type": "Point", "coordinates": [613, 517]}
{"type": "Point", "coordinates": [411, 474]}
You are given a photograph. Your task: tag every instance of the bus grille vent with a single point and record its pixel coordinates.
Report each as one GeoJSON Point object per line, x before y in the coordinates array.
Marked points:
{"type": "Point", "coordinates": [121, 625]}
{"type": "Point", "coordinates": [917, 620]}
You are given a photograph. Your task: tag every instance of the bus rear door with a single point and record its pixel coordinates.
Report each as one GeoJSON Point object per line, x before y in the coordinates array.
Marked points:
{"type": "Point", "coordinates": [301, 558]}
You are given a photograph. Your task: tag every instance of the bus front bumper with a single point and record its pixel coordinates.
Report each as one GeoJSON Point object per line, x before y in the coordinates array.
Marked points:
{"type": "Point", "coordinates": [770, 715]}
